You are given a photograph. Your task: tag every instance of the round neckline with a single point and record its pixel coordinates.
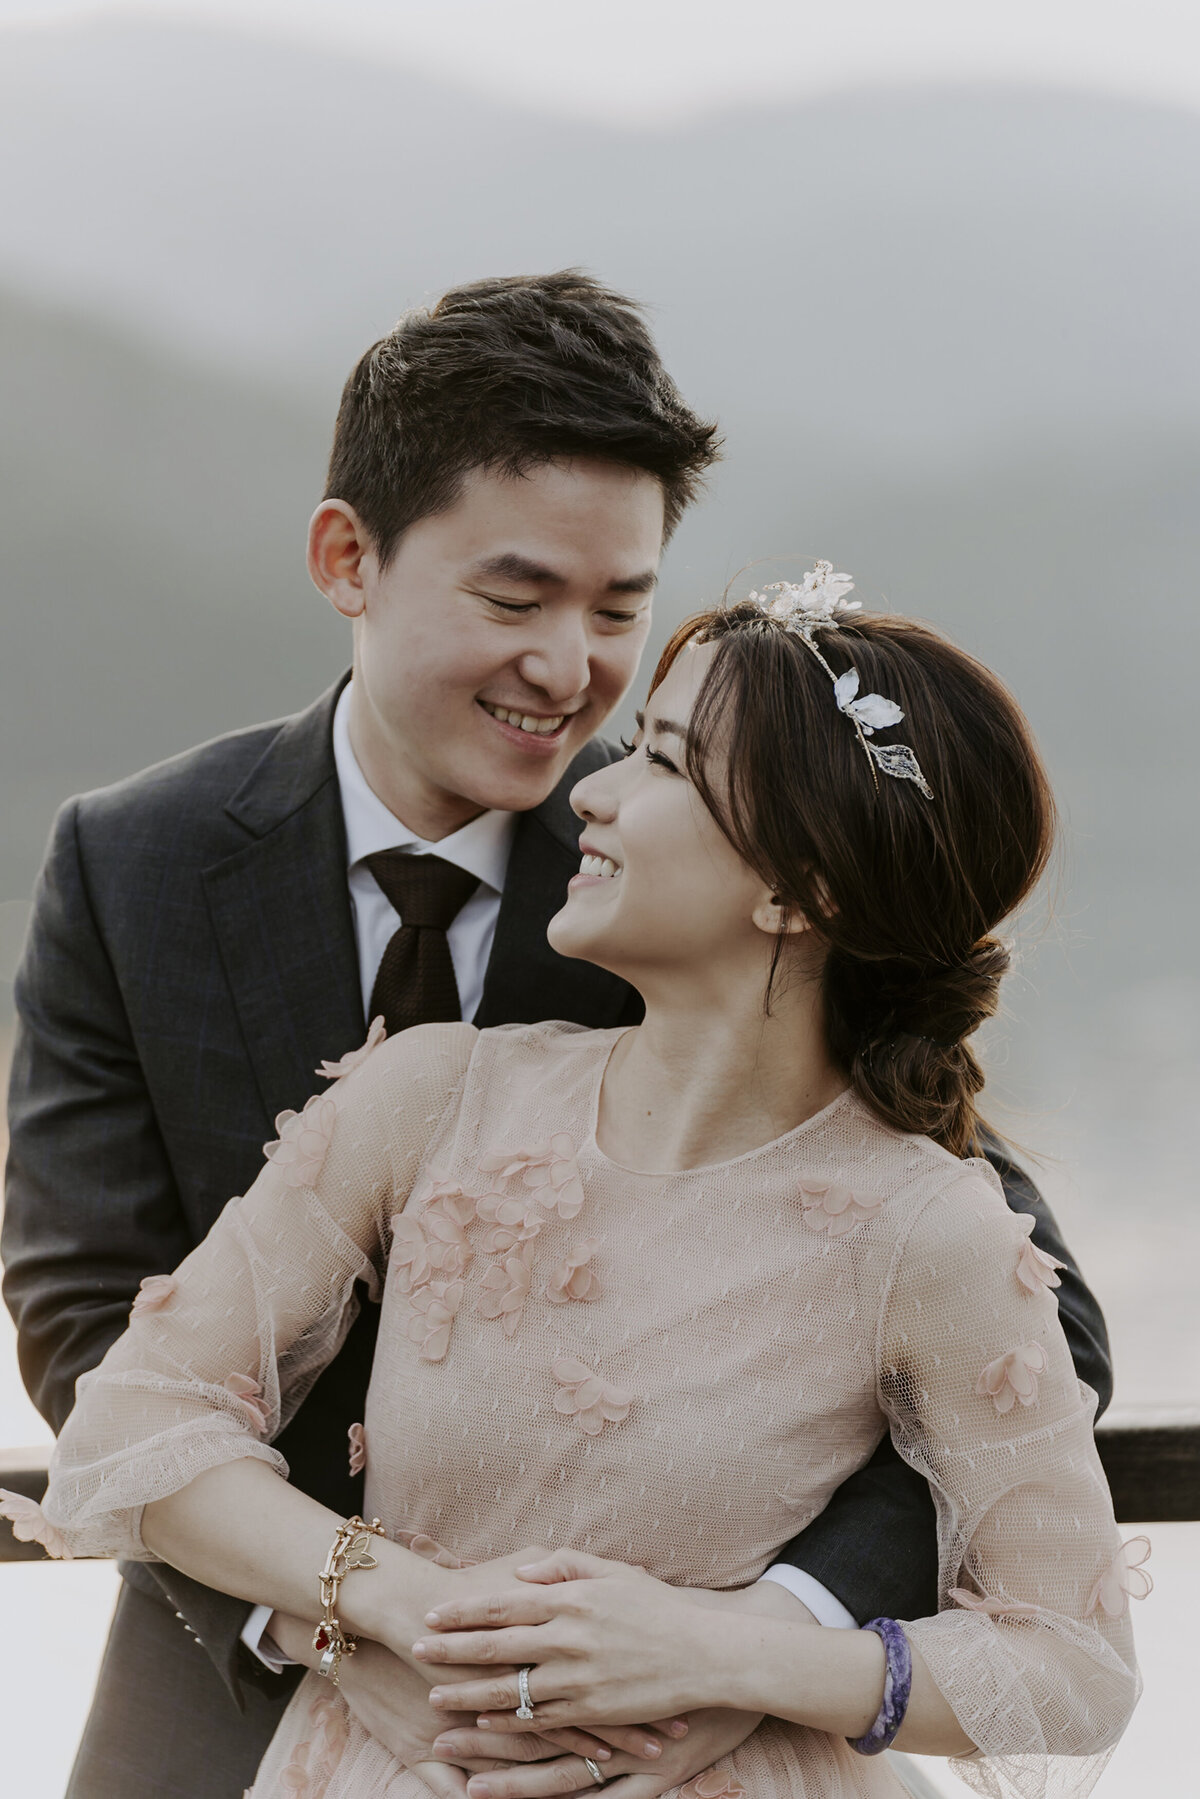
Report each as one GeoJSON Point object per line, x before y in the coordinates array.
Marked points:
{"type": "Point", "coordinates": [592, 1143]}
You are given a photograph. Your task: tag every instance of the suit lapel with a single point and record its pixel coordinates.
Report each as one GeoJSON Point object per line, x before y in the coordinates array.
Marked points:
{"type": "Point", "coordinates": [280, 909]}
{"type": "Point", "coordinates": [526, 980]}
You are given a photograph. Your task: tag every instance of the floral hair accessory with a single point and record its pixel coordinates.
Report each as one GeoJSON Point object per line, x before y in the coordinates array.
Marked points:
{"type": "Point", "coordinates": [819, 603]}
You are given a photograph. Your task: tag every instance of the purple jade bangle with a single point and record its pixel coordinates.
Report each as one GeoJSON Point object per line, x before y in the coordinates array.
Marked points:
{"type": "Point", "coordinates": [897, 1685]}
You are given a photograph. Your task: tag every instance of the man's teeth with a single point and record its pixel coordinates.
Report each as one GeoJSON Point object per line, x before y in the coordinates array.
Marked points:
{"type": "Point", "coordinates": [525, 721]}
{"type": "Point", "coordinates": [597, 865]}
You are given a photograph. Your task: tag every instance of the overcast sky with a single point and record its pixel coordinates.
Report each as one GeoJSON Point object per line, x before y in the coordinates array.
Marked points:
{"type": "Point", "coordinates": [641, 60]}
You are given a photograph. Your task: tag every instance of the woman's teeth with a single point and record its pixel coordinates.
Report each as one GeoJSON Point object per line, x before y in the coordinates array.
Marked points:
{"type": "Point", "coordinates": [597, 865]}
{"type": "Point", "coordinates": [525, 721]}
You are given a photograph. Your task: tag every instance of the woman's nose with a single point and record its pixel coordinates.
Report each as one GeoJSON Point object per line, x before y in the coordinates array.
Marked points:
{"type": "Point", "coordinates": [595, 797]}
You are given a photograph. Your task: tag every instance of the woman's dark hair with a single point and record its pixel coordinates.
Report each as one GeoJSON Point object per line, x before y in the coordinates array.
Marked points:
{"type": "Point", "coordinates": [507, 374]}
{"type": "Point", "coordinates": [906, 892]}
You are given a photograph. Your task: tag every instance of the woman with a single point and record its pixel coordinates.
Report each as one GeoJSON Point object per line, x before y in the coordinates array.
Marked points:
{"type": "Point", "coordinates": [653, 1294]}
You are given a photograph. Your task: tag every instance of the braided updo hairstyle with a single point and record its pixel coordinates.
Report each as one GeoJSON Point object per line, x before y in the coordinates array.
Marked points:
{"type": "Point", "coordinates": [907, 893]}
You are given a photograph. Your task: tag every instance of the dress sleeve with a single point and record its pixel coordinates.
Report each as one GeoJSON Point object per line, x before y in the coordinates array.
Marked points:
{"type": "Point", "coordinates": [1032, 1646]}
{"type": "Point", "coordinates": [218, 1356]}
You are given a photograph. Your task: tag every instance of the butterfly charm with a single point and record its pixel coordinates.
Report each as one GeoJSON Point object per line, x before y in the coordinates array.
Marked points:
{"type": "Point", "coordinates": [357, 1554]}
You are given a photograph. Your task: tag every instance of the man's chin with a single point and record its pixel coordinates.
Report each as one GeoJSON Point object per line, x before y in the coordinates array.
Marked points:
{"type": "Point", "coordinates": [501, 787]}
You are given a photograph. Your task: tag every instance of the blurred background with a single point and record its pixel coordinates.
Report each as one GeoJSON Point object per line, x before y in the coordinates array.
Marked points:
{"type": "Point", "coordinates": [935, 267]}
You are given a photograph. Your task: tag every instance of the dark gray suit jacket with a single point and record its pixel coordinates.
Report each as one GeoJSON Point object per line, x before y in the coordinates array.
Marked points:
{"type": "Point", "coordinates": [191, 960]}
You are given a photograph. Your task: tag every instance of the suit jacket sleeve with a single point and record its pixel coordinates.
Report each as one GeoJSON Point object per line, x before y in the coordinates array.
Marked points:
{"type": "Point", "coordinates": [91, 1206]}
{"type": "Point", "coordinates": [875, 1544]}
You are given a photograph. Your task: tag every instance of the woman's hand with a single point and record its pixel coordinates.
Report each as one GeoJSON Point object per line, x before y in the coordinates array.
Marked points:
{"type": "Point", "coordinates": [607, 1644]}
{"type": "Point", "coordinates": [391, 1702]}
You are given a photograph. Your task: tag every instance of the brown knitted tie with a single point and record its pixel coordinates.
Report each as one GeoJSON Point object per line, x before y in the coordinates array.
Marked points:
{"type": "Point", "coordinates": [415, 983]}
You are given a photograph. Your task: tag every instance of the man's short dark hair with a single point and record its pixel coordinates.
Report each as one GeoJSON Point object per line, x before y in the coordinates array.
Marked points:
{"type": "Point", "coordinates": [507, 374]}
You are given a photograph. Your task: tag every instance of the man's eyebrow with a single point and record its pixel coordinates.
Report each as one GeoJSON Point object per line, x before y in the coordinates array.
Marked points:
{"type": "Point", "coordinates": [510, 565]}
{"type": "Point", "coordinates": [643, 583]}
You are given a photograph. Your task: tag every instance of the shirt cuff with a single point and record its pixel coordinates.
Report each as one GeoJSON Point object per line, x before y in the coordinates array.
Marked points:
{"type": "Point", "coordinates": [819, 1600]}
{"type": "Point", "coordinates": [267, 1651]}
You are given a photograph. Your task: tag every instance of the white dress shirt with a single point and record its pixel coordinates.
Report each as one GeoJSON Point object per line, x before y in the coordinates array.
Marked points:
{"type": "Point", "coordinates": [482, 848]}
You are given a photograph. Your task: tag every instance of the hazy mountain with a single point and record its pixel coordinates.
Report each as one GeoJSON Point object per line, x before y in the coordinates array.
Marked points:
{"type": "Point", "coordinates": [152, 588]}
{"type": "Point", "coordinates": [951, 337]}
{"type": "Point", "coordinates": [911, 270]}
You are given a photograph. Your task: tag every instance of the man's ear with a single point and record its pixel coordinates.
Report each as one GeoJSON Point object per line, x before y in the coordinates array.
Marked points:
{"type": "Point", "coordinates": [776, 918]}
{"type": "Point", "coordinates": [337, 544]}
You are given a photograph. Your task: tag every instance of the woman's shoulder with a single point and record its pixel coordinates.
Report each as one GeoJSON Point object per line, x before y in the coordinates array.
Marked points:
{"type": "Point", "coordinates": [923, 1190]}
{"type": "Point", "coordinates": [554, 1041]}
{"type": "Point", "coordinates": [412, 1066]}
{"type": "Point", "coordinates": [952, 1211]}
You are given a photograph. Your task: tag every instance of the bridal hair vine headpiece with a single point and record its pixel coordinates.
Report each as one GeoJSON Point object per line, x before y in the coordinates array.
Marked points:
{"type": "Point", "coordinates": [819, 603]}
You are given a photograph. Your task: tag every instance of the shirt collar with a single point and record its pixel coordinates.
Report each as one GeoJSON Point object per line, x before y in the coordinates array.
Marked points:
{"type": "Point", "coordinates": [481, 847]}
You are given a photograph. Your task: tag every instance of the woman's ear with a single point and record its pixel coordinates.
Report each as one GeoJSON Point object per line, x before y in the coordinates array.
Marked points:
{"type": "Point", "coordinates": [776, 918]}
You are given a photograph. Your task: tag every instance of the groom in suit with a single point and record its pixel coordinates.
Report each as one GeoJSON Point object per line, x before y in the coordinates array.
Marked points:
{"type": "Point", "coordinates": [505, 471]}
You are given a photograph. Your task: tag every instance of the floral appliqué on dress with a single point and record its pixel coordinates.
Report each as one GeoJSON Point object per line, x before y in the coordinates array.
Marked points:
{"type": "Point", "coordinates": [354, 1058]}
{"type": "Point", "coordinates": [551, 1171]}
{"type": "Point", "coordinates": [510, 1219]}
{"type": "Point", "coordinates": [434, 1309]}
{"type": "Point", "coordinates": [592, 1402]}
{"type": "Point", "coordinates": [153, 1294]}
{"type": "Point", "coordinates": [831, 1207]}
{"type": "Point", "coordinates": [432, 1254]}
{"type": "Point", "coordinates": [314, 1760]}
{"type": "Point", "coordinates": [1124, 1579]}
{"type": "Point", "coordinates": [304, 1139]}
{"type": "Point", "coordinates": [250, 1394]}
{"type": "Point", "coordinates": [31, 1525]}
{"type": "Point", "coordinates": [714, 1783]}
{"type": "Point", "coordinates": [505, 1288]}
{"type": "Point", "coordinates": [1013, 1376]}
{"type": "Point", "coordinates": [1035, 1269]}
{"type": "Point", "coordinates": [574, 1278]}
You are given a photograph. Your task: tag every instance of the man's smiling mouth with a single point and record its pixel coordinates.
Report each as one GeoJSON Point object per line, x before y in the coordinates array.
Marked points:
{"type": "Point", "coordinates": [526, 721]}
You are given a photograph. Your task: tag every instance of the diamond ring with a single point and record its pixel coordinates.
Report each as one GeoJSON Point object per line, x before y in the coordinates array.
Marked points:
{"type": "Point", "coordinates": [594, 1771]}
{"type": "Point", "coordinates": [525, 1709]}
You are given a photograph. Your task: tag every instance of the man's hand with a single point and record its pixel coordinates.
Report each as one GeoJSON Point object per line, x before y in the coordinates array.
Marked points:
{"type": "Point", "coordinates": [391, 1702]}
{"type": "Point", "coordinates": [711, 1735]}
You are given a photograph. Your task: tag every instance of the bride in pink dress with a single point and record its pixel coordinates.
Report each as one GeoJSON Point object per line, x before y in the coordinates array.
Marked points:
{"type": "Point", "coordinates": [651, 1295]}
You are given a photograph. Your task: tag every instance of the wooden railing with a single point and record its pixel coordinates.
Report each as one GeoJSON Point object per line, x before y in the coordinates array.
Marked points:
{"type": "Point", "coordinates": [1152, 1460]}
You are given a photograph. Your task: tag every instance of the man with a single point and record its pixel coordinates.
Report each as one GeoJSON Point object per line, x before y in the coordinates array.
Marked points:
{"type": "Point", "coordinates": [505, 471]}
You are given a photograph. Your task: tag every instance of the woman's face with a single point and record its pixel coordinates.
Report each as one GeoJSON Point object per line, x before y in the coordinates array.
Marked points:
{"type": "Point", "coordinates": [660, 890]}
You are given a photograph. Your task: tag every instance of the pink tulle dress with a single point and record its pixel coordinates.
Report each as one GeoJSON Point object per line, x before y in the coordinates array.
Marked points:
{"type": "Point", "coordinates": [673, 1370]}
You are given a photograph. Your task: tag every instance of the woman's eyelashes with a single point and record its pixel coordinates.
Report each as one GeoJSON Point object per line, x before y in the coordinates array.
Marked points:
{"type": "Point", "coordinates": [654, 756]}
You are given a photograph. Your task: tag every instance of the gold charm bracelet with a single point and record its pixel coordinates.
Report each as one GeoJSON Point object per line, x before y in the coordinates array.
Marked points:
{"type": "Point", "coordinates": [350, 1549]}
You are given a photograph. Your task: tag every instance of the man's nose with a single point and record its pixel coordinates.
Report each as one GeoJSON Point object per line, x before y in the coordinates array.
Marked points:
{"type": "Point", "coordinates": [559, 662]}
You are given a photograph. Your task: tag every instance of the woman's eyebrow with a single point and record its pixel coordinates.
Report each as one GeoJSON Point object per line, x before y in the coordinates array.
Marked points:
{"type": "Point", "coordinates": [667, 727]}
